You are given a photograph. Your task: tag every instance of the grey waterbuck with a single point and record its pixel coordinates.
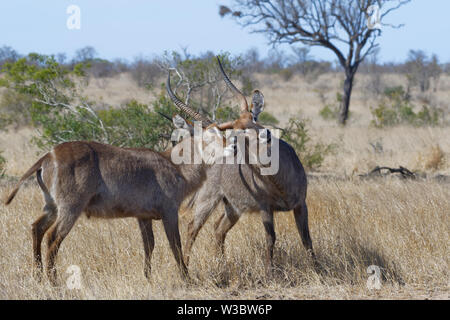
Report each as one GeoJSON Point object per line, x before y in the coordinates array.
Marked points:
{"type": "Point", "coordinates": [105, 181]}
{"type": "Point", "coordinates": [242, 189]}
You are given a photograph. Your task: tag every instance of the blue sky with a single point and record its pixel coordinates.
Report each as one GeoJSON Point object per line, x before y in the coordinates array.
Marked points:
{"type": "Point", "coordinates": [125, 29]}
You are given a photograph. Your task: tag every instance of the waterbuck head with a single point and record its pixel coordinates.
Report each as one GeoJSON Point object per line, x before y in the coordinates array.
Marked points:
{"type": "Point", "coordinates": [207, 143]}
{"type": "Point", "coordinates": [247, 120]}
{"type": "Point", "coordinates": [257, 105]}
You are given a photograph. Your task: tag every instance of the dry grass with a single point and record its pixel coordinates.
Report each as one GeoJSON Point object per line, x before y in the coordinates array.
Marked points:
{"type": "Point", "coordinates": [403, 227]}
{"type": "Point", "coordinates": [400, 227]}
{"type": "Point", "coordinates": [435, 158]}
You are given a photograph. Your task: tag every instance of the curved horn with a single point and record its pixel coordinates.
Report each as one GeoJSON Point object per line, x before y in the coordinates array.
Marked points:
{"type": "Point", "coordinates": [180, 104]}
{"type": "Point", "coordinates": [236, 92]}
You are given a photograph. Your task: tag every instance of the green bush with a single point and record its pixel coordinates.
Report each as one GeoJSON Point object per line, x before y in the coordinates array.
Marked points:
{"type": "Point", "coordinates": [267, 119]}
{"type": "Point", "coordinates": [395, 93]}
{"type": "Point", "coordinates": [311, 155]}
{"type": "Point", "coordinates": [61, 113]}
{"type": "Point", "coordinates": [14, 107]}
{"type": "Point", "coordinates": [395, 109]}
{"type": "Point", "coordinates": [247, 85]}
{"type": "Point", "coordinates": [331, 111]}
{"type": "Point", "coordinates": [227, 113]}
{"type": "Point", "coordinates": [135, 125]}
{"type": "Point", "coordinates": [428, 116]}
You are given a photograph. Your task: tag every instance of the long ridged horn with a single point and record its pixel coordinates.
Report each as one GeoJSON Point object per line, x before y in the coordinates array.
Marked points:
{"type": "Point", "coordinates": [238, 94]}
{"type": "Point", "coordinates": [188, 110]}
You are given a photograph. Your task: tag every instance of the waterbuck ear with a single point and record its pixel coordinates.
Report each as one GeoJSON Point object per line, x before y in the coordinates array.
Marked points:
{"type": "Point", "coordinates": [257, 105]}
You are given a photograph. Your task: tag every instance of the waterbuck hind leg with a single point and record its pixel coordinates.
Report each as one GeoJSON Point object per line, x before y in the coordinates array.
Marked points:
{"type": "Point", "coordinates": [301, 220]}
{"type": "Point", "coordinates": [170, 222]}
{"type": "Point", "coordinates": [67, 216]}
{"type": "Point", "coordinates": [267, 219]}
{"type": "Point", "coordinates": [38, 230]}
{"type": "Point", "coordinates": [224, 224]}
{"type": "Point", "coordinates": [149, 243]}
{"type": "Point", "coordinates": [41, 225]}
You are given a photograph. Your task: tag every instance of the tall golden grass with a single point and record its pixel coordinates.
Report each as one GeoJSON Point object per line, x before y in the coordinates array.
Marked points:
{"type": "Point", "coordinates": [402, 227]}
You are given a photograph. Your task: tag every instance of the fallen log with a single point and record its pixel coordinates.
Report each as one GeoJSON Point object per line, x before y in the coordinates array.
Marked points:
{"type": "Point", "coordinates": [385, 171]}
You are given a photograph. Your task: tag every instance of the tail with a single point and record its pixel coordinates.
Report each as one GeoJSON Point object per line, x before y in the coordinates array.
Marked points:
{"type": "Point", "coordinates": [32, 170]}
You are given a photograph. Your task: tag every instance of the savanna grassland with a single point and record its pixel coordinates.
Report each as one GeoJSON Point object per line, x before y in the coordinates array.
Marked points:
{"type": "Point", "coordinates": [401, 226]}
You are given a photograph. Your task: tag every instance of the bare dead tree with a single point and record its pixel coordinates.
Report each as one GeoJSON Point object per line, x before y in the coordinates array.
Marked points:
{"type": "Point", "coordinates": [199, 79]}
{"type": "Point", "coordinates": [343, 26]}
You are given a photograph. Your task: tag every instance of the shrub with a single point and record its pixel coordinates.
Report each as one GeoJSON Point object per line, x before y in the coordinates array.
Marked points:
{"type": "Point", "coordinates": [267, 119]}
{"type": "Point", "coordinates": [227, 113]}
{"type": "Point", "coordinates": [62, 113]}
{"type": "Point", "coordinates": [328, 112]}
{"type": "Point", "coordinates": [311, 155]}
{"type": "Point", "coordinates": [135, 125]}
{"type": "Point", "coordinates": [396, 108]}
{"type": "Point", "coordinates": [395, 93]}
{"type": "Point", "coordinates": [331, 111]}
{"type": "Point", "coordinates": [14, 107]}
{"type": "Point", "coordinates": [247, 85]}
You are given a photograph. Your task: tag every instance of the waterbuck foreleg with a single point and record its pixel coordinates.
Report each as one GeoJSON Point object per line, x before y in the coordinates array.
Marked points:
{"type": "Point", "coordinates": [170, 222]}
{"type": "Point", "coordinates": [149, 243]}
{"type": "Point", "coordinates": [301, 219]}
{"type": "Point", "coordinates": [267, 219]}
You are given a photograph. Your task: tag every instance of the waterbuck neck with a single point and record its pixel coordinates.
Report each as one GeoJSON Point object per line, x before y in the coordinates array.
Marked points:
{"type": "Point", "coordinates": [194, 174]}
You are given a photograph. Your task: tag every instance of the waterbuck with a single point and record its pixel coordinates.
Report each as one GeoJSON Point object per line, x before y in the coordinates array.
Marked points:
{"type": "Point", "coordinates": [242, 189]}
{"type": "Point", "coordinates": [105, 181]}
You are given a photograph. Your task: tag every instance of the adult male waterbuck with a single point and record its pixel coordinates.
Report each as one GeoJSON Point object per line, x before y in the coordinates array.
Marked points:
{"type": "Point", "coordinates": [105, 181]}
{"type": "Point", "coordinates": [243, 189]}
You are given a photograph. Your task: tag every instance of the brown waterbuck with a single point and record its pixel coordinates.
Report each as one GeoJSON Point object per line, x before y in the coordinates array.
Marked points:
{"type": "Point", "coordinates": [105, 181]}
{"type": "Point", "coordinates": [242, 189]}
